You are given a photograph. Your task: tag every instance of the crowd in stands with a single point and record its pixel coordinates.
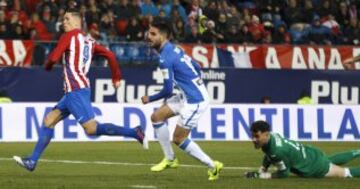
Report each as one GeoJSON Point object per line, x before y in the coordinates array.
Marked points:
{"type": "Point", "coordinates": [323, 22]}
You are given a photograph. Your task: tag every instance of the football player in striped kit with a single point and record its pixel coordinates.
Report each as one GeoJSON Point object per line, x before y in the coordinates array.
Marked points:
{"type": "Point", "coordinates": [76, 50]}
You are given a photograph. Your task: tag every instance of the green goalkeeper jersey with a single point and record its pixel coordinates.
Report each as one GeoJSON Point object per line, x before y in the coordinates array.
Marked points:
{"type": "Point", "coordinates": [291, 156]}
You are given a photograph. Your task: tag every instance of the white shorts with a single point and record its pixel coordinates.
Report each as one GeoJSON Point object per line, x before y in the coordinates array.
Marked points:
{"type": "Point", "coordinates": [189, 113]}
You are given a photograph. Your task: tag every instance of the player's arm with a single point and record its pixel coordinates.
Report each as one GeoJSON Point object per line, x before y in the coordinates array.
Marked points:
{"type": "Point", "coordinates": [113, 64]}
{"type": "Point", "coordinates": [282, 170]}
{"type": "Point", "coordinates": [352, 60]}
{"type": "Point", "coordinates": [278, 160]}
{"type": "Point", "coordinates": [265, 164]}
{"type": "Point", "coordinates": [168, 74]}
{"type": "Point", "coordinates": [58, 51]}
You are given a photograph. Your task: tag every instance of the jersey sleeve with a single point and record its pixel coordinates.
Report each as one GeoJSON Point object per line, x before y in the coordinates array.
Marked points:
{"type": "Point", "coordinates": [168, 75]}
{"type": "Point", "coordinates": [283, 170]}
{"type": "Point", "coordinates": [281, 163]}
{"type": "Point", "coordinates": [197, 67]}
{"type": "Point", "coordinates": [113, 64]}
{"type": "Point", "coordinates": [266, 162]}
{"type": "Point", "coordinates": [58, 51]}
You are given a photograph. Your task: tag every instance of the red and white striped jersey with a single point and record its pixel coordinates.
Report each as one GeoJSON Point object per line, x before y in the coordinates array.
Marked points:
{"type": "Point", "coordinates": [77, 50]}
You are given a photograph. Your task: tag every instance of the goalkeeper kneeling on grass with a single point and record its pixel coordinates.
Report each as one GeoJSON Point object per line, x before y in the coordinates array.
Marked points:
{"type": "Point", "coordinates": [290, 156]}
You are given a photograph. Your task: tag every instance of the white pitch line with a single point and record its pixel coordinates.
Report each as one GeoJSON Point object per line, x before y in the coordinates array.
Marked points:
{"type": "Point", "coordinates": [124, 163]}
{"type": "Point", "coordinates": [143, 186]}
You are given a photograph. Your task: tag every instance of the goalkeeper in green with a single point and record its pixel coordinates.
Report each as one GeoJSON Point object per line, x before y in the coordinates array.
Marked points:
{"type": "Point", "coordinates": [290, 156]}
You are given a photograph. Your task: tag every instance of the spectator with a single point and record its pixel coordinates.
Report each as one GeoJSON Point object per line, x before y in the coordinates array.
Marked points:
{"type": "Point", "coordinates": [193, 36]}
{"type": "Point", "coordinates": [325, 9]}
{"type": "Point", "coordinates": [343, 14]}
{"type": "Point", "coordinates": [123, 11]}
{"type": "Point", "coordinates": [146, 21]}
{"type": "Point", "coordinates": [211, 11]}
{"type": "Point", "coordinates": [202, 24]}
{"type": "Point", "coordinates": [267, 39]}
{"type": "Point", "coordinates": [107, 26]}
{"type": "Point", "coordinates": [210, 35]}
{"type": "Point", "coordinates": [58, 24]}
{"type": "Point", "coordinates": [298, 34]}
{"type": "Point", "coordinates": [256, 29]}
{"type": "Point", "coordinates": [222, 25]}
{"type": "Point", "coordinates": [245, 36]}
{"type": "Point", "coordinates": [245, 16]}
{"type": "Point", "coordinates": [351, 34]}
{"type": "Point", "coordinates": [148, 8]}
{"type": "Point", "coordinates": [281, 36]}
{"type": "Point", "coordinates": [134, 32]}
{"type": "Point", "coordinates": [17, 9]}
{"type": "Point", "coordinates": [19, 33]}
{"type": "Point", "coordinates": [71, 4]}
{"type": "Point", "coordinates": [233, 18]}
{"type": "Point", "coordinates": [4, 31]}
{"type": "Point", "coordinates": [179, 30]}
{"type": "Point", "coordinates": [233, 35]}
{"type": "Point", "coordinates": [40, 28]}
{"type": "Point", "coordinates": [134, 8]}
{"type": "Point", "coordinates": [175, 16]}
{"type": "Point", "coordinates": [164, 5]}
{"type": "Point", "coordinates": [224, 8]}
{"type": "Point", "coordinates": [54, 9]}
{"type": "Point", "coordinates": [309, 11]}
{"type": "Point", "coordinates": [14, 20]}
{"type": "Point", "coordinates": [318, 34]}
{"type": "Point", "coordinates": [293, 13]}
{"type": "Point", "coordinates": [3, 19]}
{"type": "Point", "coordinates": [93, 14]}
{"type": "Point", "coordinates": [104, 5]}
{"type": "Point", "coordinates": [332, 24]}
{"type": "Point", "coordinates": [266, 100]}
{"type": "Point", "coordinates": [180, 9]}
{"type": "Point", "coordinates": [195, 13]}
{"type": "Point", "coordinates": [162, 14]}
{"type": "Point", "coordinates": [48, 20]}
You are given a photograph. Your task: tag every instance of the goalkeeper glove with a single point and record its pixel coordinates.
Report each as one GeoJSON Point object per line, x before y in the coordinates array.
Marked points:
{"type": "Point", "coordinates": [252, 174]}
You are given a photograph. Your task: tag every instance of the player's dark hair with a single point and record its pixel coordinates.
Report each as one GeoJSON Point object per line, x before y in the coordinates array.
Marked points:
{"type": "Point", "coordinates": [261, 126]}
{"type": "Point", "coordinates": [162, 25]}
{"type": "Point", "coordinates": [74, 12]}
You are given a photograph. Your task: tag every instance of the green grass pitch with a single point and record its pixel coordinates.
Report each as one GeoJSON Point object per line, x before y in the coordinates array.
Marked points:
{"type": "Point", "coordinates": [103, 165]}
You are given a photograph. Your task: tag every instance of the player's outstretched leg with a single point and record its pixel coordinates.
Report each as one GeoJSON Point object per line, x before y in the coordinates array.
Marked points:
{"type": "Point", "coordinates": [163, 135]}
{"type": "Point", "coordinates": [30, 162]}
{"type": "Point", "coordinates": [345, 157]}
{"type": "Point", "coordinates": [114, 130]}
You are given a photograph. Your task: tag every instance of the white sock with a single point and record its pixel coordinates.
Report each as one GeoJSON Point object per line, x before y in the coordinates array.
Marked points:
{"type": "Point", "coordinates": [195, 151]}
{"type": "Point", "coordinates": [347, 173]}
{"type": "Point", "coordinates": [163, 135]}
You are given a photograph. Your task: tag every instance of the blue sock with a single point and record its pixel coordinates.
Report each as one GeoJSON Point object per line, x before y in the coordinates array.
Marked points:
{"type": "Point", "coordinates": [114, 130]}
{"type": "Point", "coordinates": [45, 136]}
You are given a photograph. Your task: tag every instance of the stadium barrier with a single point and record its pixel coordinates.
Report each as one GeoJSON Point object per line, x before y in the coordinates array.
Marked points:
{"type": "Point", "coordinates": [228, 122]}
